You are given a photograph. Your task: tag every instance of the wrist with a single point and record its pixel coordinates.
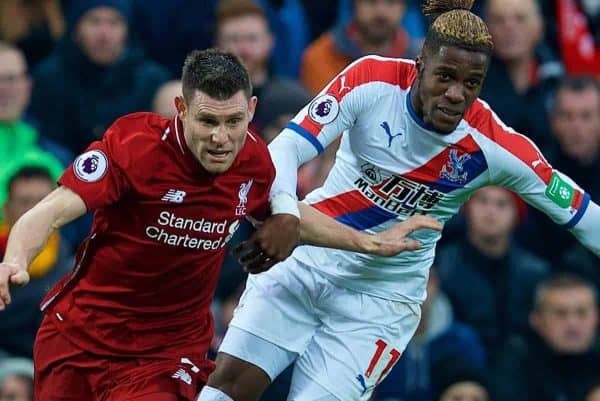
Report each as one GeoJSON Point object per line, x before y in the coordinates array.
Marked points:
{"type": "Point", "coordinates": [19, 263]}
{"type": "Point", "coordinates": [284, 203]}
{"type": "Point", "coordinates": [365, 242]}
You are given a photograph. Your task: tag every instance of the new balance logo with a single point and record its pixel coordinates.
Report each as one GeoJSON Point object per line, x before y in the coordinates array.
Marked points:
{"type": "Point", "coordinates": [183, 376]}
{"type": "Point", "coordinates": [174, 196]}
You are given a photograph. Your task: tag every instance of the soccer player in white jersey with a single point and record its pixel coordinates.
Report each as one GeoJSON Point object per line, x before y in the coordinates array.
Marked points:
{"type": "Point", "coordinates": [416, 141]}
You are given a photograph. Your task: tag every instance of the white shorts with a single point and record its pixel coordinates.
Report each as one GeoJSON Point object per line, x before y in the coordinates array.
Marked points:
{"type": "Point", "coordinates": [345, 341]}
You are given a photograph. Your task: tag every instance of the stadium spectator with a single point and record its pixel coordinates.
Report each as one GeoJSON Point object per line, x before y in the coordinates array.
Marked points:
{"type": "Point", "coordinates": [488, 278]}
{"type": "Point", "coordinates": [289, 24]}
{"type": "Point", "coordinates": [16, 379]}
{"type": "Point", "coordinates": [18, 325]}
{"type": "Point", "coordinates": [576, 127]}
{"type": "Point", "coordinates": [94, 76]}
{"type": "Point", "coordinates": [243, 29]}
{"type": "Point", "coordinates": [374, 29]}
{"type": "Point", "coordinates": [413, 20]}
{"type": "Point", "coordinates": [33, 26]}
{"type": "Point", "coordinates": [523, 73]}
{"type": "Point", "coordinates": [20, 142]}
{"type": "Point", "coordinates": [573, 31]}
{"type": "Point", "coordinates": [559, 360]}
{"type": "Point", "coordinates": [168, 30]}
{"type": "Point", "coordinates": [458, 380]}
{"type": "Point", "coordinates": [575, 123]}
{"type": "Point", "coordinates": [438, 337]}
{"type": "Point", "coordinates": [164, 103]}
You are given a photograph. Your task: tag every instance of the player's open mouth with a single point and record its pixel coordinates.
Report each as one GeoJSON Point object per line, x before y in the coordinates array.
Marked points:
{"type": "Point", "coordinates": [449, 112]}
{"type": "Point", "coordinates": [219, 154]}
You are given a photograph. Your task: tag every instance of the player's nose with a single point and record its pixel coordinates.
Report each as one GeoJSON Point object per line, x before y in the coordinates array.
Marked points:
{"type": "Point", "coordinates": [455, 93]}
{"type": "Point", "coordinates": [219, 135]}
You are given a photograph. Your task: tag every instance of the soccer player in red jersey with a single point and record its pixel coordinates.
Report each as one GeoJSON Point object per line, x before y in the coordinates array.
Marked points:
{"type": "Point", "coordinates": [133, 317]}
{"type": "Point", "coordinates": [132, 321]}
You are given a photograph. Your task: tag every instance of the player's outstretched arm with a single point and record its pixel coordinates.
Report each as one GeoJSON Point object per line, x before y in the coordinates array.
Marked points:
{"type": "Point", "coordinates": [30, 233]}
{"type": "Point", "coordinates": [587, 230]}
{"type": "Point", "coordinates": [318, 229]}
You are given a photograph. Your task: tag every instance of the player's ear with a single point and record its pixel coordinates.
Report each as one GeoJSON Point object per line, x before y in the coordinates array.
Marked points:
{"type": "Point", "coordinates": [252, 107]}
{"type": "Point", "coordinates": [419, 64]}
{"type": "Point", "coordinates": [180, 106]}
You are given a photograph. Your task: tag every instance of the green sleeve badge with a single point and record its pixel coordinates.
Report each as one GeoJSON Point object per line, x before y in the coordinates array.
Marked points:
{"type": "Point", "coordinates": [560, 192]}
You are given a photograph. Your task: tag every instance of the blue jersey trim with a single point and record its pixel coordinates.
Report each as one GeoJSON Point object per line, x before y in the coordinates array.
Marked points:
{"type": "Point", "coordinates": [306, 135]}
{"type": "Point", "coordinates": [575, 219]}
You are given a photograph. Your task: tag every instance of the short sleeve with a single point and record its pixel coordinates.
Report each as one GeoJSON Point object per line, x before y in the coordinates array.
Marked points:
{"type": "Point", "coordinates": [96, 174]}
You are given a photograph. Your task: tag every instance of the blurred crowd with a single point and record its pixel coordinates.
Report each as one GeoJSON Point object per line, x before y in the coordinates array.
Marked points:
{"type": "Point", "coordinates": [512, 308]}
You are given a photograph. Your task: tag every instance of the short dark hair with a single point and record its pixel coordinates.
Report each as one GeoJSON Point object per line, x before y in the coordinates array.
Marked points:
{"type": "Point", "coordinates": [217, 73]}
{"type": "Point", "coordinates": [561, 281]}
{"type": "Point", "coordinates": [28, 173]}
{"type": "Point", "coordinates": [579, 83]}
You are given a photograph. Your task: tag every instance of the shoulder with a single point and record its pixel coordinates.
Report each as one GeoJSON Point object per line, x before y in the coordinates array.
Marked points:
{"type": "Point", "coordinates": [323, 46]}
{"type": "Point", "coordinates": [137, 126]}
{"type": "Point", "coordinates": [255, 158]}
{"type": "Point", "coordinates": [529, 264]}
{"type": "Point", "coordinates": [48, 73]}
{"type": "Point", "coordinates": [136, 133]}
{"type": "Point", "coordinates": [481, 117]}
{"type": "Point", "coordinates": [368, 69]}
{"type": "Point", "coordinates": [498, 135]}
{"type": "Point", "coordinates": [47, 66]}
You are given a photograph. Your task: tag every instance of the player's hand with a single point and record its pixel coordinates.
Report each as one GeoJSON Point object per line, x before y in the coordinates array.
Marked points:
{"type": "Point", "coordinates": [10, 274]}
{"type": "Point", "coordinates": [394, 240]}
{"type": "Point", "coordinates": [274, 241]}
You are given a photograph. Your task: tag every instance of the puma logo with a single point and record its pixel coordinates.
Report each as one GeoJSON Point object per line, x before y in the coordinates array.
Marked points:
{"type": "Point", "coordinates": [343, 82]}
{"type": "Point", "coordinates": [388, 132]}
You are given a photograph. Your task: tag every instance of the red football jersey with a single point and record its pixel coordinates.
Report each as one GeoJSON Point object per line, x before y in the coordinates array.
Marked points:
{"type": "Point", "coordinates": [145, 277]}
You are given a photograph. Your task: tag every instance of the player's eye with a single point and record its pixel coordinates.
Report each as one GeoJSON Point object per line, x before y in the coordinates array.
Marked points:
{"type": "Point", "coordinates": [444, 76]}
{"type": "Point", "coordinates": [209, 122]}
{"type": "Point", "coordinates": [473, 83]}
{"type": "Point", "coordinates": [234, 121]}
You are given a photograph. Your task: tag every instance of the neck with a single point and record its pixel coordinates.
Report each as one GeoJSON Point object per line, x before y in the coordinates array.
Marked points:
{"type": "Point", "coordinates": [493, 247]}
{"type": "Point", "coordinates": [519, 70]}
{"type": "Point", "coordinates": [415, 102]}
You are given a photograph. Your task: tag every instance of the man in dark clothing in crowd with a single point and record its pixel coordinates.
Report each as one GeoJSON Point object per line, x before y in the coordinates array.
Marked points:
{"type": "Point", "coordinates": [94, 76]}
{"type": "Point", "coordinates": [575, 125]}
{"type": "Point", "coordinates": [488, 278]}
{"type": "Point", "coordinates": [523, 74]}
{"type": "Point", "coordinates": [558, 361]}
{"type": "Point", "coordinates": [19, 325]}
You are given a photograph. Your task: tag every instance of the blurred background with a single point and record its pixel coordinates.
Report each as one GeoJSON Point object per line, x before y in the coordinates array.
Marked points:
{"type": "Point", "coordinates": [512, 310]}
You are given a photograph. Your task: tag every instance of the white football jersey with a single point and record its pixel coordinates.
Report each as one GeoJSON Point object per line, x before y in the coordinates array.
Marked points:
{"type": "Point", "coordinates": [390, 166]}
